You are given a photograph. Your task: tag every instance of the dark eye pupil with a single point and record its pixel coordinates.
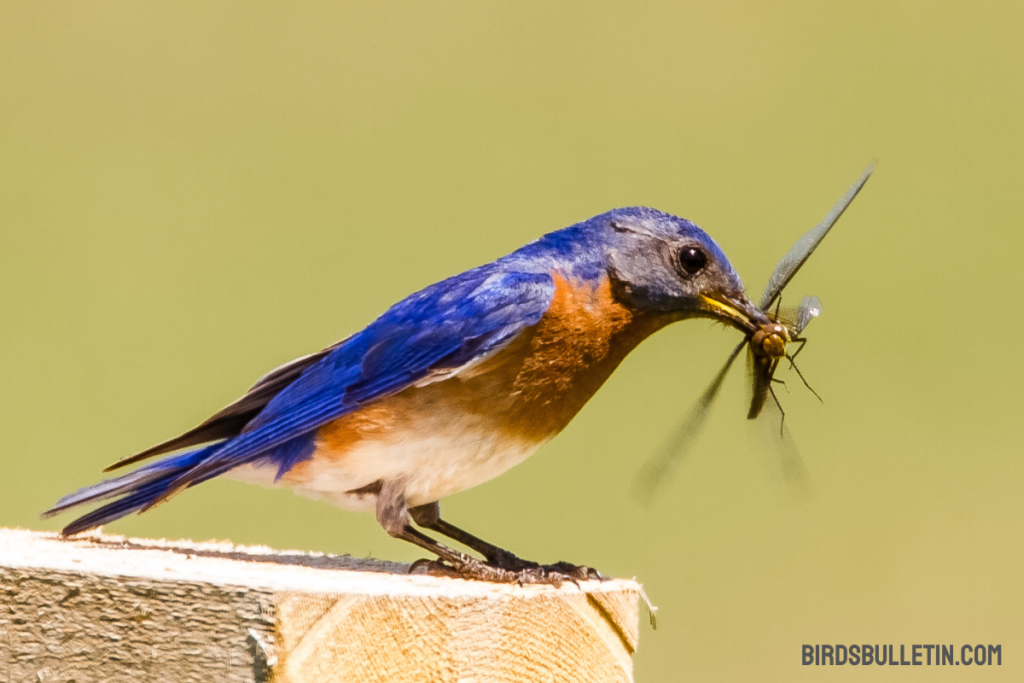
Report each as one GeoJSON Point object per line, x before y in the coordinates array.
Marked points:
{"type": "Point", "coordinates": [692, 260]}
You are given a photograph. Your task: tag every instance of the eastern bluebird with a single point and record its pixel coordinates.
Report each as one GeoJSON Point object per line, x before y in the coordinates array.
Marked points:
{"type": "Point", "coordinates": [452, 386]}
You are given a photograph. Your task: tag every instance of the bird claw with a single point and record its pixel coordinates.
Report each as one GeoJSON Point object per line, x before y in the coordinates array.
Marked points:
{"type": "Point", "coordinates": [574, 572]}
{"type": "Point", "coordinates": [508, 561]}
{"type": "Point", "coordinates": [468, 568]}
{"type": "Point", "coordinates": [521, 572]}
{"type": "Point", "coordinates": [532, 572]}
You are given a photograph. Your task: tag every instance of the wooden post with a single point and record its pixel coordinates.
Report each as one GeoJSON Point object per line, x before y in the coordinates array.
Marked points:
{"type": "Point", "coordinates": [107, 608]}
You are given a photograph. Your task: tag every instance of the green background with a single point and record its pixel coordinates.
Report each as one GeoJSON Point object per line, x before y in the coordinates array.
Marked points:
{"type": "Point", "coordinates": [193, 193]}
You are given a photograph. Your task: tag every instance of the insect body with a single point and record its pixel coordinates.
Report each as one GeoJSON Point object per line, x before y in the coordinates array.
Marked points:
{"type": "Point", "coordinates": [767, 347]}
{"type": "Point", "coordinates": [770, 341]}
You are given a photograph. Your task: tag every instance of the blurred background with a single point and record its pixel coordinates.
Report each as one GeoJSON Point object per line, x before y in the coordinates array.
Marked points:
{"type": "Point", "coordinates": [192, 194]}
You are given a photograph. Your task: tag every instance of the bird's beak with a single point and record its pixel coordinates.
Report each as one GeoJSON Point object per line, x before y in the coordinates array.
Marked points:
{"type": "Point", "coordinates": [737, 311]}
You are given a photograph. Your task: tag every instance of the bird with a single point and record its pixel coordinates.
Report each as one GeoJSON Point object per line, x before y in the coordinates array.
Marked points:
{"type": "Point", "coordinates": [450, 387]}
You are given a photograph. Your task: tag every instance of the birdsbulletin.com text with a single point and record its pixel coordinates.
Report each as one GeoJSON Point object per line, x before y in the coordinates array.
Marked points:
{"type": "Point", "coordinates": [901, 655]}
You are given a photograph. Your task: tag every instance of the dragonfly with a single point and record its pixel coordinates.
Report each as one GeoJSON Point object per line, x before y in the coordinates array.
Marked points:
{"type": "Point", "coordinates": [766, 348]}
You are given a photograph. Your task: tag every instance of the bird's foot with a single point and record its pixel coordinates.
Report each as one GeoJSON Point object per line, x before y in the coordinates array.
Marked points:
{"type": "Point", "coordinates": [575, 572]}
{"type": "Point", "coordinates": [503, 559]}
{"type": "Point", "coordinates": [511, 570]}
{"type": "Point", "coordinates": [564, 571]}
{"type": "Point", "coordinates": [558, 573]}
{"type": "Point", "coordinates": [467, 568]}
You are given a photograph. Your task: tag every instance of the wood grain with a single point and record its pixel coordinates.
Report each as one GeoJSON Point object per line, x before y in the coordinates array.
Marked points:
{"type": "Point", "coordinates": [105, 608]}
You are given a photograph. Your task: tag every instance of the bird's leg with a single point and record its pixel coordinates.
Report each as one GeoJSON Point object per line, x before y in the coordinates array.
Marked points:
{"type": "Point", "coordinates": [393, 515]}
{"type": "Point", "coordinates": [429, 517]}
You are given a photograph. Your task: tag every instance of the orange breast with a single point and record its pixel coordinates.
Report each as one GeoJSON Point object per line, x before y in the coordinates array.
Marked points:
{"type": "Point", "coordinates": [554, 368]}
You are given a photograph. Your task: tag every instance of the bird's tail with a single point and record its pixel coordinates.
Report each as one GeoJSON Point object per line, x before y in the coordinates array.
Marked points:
{"type": "Point", "coordinates": [134, 491]}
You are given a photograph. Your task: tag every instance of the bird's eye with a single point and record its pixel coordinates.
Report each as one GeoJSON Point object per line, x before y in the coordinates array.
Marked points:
{"type": "Point", "coordinates": [692, 260]}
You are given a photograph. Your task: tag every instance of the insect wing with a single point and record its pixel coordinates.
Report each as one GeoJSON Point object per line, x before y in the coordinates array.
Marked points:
{"type": "Point", "coordinates": [779, 445]}
{"type": "Point", "coordinates": [810, 308]}
{"type": "Point", "coordinates": [789, 264]}
{"type": "Point", "coordinates": [659, 466]}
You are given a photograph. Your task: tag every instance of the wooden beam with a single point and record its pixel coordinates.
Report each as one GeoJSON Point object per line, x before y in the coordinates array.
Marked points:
{"type": "Point", "coordinates": [109, 608]}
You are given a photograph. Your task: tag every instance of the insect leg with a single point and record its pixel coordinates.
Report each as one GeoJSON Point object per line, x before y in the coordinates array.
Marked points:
{"type": "Point", "coordinates": [782, 421]}
{"type": "Point", "coordinates": [802, 341]}
{"type": "Point", "coordinates": [802, 379]}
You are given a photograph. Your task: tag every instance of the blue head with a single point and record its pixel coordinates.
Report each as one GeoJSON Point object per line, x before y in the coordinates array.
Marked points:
{"type": "Point", "coordinates": [655, 261]}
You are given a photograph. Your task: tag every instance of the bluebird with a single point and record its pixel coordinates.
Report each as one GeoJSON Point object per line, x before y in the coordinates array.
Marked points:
{"type": "Point", "coordinates": [451, 386]}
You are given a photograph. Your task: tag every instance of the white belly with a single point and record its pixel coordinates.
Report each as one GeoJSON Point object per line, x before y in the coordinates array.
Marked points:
{"type": "Point", "coordinates": [434, 461]}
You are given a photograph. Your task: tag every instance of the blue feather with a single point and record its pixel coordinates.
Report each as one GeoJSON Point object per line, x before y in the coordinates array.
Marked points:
{"type": "Point", "coordinates": [139, 488]}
